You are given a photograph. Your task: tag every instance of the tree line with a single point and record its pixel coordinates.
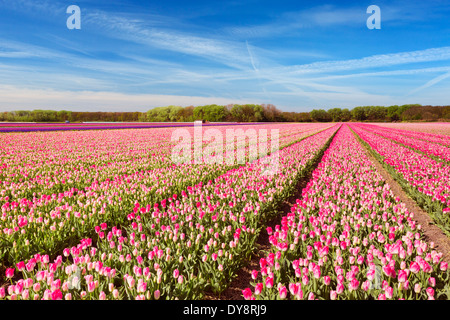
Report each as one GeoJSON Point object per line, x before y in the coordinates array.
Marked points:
{"type": "Point", "coordinates": [239, 113]}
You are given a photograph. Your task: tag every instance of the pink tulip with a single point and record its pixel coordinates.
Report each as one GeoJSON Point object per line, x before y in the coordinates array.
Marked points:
{"type": "Point", "coordinates": [258, 288]}
{"type": "Point", "coordinates": [293, 288]}
{"type": "Point", "coordinates": [9, 273]}
{"type": "Point", "coordinates": [56, 295]}
{"type": "Point", "coordinates": [406, 285]}
{"type": "Point", "coordinates": [389, 291]}
{"type": "Point", "coordinates": [282, 291]}
{"type": "Point", "coordinates": [333, 295]}
{"type": "Point", "coordinates": [339, 288]}
{"type": "Point", "coordinates": [427, 268]}
{"type": "Point", "coordinates": [402, 276]}
{"type": "Point", "coordinates": [20, 266]}
{"type": "Point", "coordinates": [316, 272]}
{"type": "Point", "coordinates": [36, 287]}
{"type": "Point", "coordinates": [131, 281]}
{"type": "Point", "coordinates": [414, 267]}
{"type": "Point", "coordinates": [354, 284]}
{"type": "Point", "coordinates": [366, 285]}
{"type": "Point", "coordinates": [269, 282]}
{"type": "Point", "coordinates": [142, 286]}
{"type": "Point", "coordinates": [417, 288]}
{"type": "Point", "coordinates": [389, 271]}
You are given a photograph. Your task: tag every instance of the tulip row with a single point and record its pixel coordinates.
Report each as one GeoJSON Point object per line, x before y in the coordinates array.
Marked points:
{"type": "Point", "coordinates": [348, 237]}
{"type": "Point", "coordinates": [46, 163]}
{"type": "Point", "coordinates": [427, 181]}
{"type": "Point", "coordinates": [430, 148]}
{"type": "Point", "coordinates": [425, 130]}
{"type": "Point", "coordinates": [52, 221]}
{"type": "Point", "coordinates": [174, 248]}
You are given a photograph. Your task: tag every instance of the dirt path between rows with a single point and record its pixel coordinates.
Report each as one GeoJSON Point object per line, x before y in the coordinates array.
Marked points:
{"type": "Point", "coordinates": [432, 233]}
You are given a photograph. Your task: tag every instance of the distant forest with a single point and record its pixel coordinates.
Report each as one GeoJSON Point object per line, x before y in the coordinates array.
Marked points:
{"type": "Point", "coordinates": [240, 113]}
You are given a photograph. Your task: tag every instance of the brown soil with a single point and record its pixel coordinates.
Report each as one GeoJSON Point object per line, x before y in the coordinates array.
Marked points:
{"type": "Point", "coordinates": [243, 278]}
{"type": "Point", "coordinates": [432, 233]}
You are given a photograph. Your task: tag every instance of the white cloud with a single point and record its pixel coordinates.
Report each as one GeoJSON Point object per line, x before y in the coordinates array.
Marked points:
{"type": "Point", "coordinates": [430, 83]}
{"type": "Point", "coordinates": [375, 61]}
{"type": "Point", "coordinates": [14, 98]}
{"type": "Point", "coordinates": [227, 52]}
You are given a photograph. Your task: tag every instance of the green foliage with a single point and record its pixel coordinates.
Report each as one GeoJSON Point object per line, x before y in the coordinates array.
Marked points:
{"type": "Point", "coordinates": [320, 115]}
{"type": "Point", "coordinates": [163, 114]}
{"type": "Point", "coordinates": [239, 113]}
{"type": "Point", "coordinates": [346, 115]}
{"type": "Point", "coordinates": [358, 114]}
{"type": "Point", "coordinates": [335, 114]}
{"type": "Point", "coordinates": [211, 113]}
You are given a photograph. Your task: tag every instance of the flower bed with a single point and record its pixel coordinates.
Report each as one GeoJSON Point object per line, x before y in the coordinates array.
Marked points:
{"type": "Point", "coordinates": [348, 237]}
{"type": "Point", "coordinates": [177, 247]}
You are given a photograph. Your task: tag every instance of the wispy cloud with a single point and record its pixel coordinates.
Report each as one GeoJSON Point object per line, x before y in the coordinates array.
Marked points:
{"type": "Point", "coordinates": [34, 7]}
{"type": "Point", "coordinates": [430, 83]}
{"type": "Point", "coordinates": [327, 16]}
{"type": "Point", "coordinates": [375, 61]}
{"type": "Point", "coordinates": [16, 49]}
{"type": "Point", "coordinates": [230, 53]}
{"type": "Point", "coordinates": [293, 22]}
{"type": "Point", "coordinates": [14, 98]}
{"type": "Point", "coordinates": [138, 56]}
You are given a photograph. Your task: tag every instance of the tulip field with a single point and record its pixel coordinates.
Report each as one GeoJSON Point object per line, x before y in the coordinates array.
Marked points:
{"type": "Point", "coordinates": [106, 214]}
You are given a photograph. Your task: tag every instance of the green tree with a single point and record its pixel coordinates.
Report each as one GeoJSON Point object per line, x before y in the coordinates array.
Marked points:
{"type": "Point", "coordinates": [392, 113]}
{"type": "Point", "coordinates": [271, 113]}
{"type": "Point", "coordinates": [346, 115]}
{"type": "Point", "coordinates": [212, 113]}
{"type": "Point", "coordinates": [335, 114]}
{"type": "Point", "coordinates": [259, 113]}
{"type": "Point", "coordinates": [237, 113]}
{"type": "Point", "coordinates": [186, 114]}
{"type": "Point", "coordinates": [320, 115]}
{"type": "Point", "coordinates": [358, 114]}
{"type": "Point", "coordinates": [64, 115]}
{"type": "Point", "coordinates": [163, 114]}
{"type": "Point", "coordinates": [44, 115]}
{"type": "Point", "coordinates": [248, 112]}
{"type": "Point", "coordinates": [374, 113]}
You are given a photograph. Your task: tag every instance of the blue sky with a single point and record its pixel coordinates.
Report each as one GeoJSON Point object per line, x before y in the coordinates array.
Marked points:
{"type": "Point", "coordinates": [297, 55]}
